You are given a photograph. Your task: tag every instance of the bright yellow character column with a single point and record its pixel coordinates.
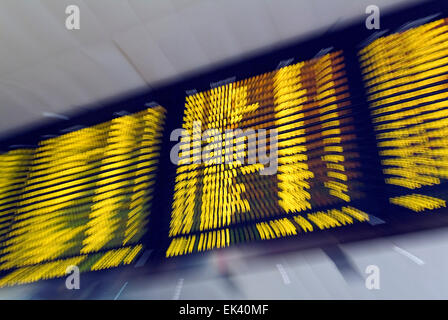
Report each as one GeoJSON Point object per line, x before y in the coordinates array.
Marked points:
{"type": "Point", "coordinates": [406, 76]}
{"type": "Point", "coordinates": [293, 173]}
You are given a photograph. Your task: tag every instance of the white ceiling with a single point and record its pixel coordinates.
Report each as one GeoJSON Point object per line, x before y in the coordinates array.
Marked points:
{"type": "Point", "coordinates": [125, 45]}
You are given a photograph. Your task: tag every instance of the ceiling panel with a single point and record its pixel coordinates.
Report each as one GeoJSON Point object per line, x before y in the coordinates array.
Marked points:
{"type": "Point", "coordinates": [24, 107]}
{"type": "Point", "coordinates": [120, 73]}
{"type": "Point", "coordinates": [17, 37]}
{"type": "Point", "coordinates": [145, 55]}
{"type": "Point", "coordinates": [87, 74]}
{"type": "Point", "coordinates": [114, 15]}
{"type": "Point", "coordinates": [91, 29]}
{"type": "Point", "coordinates": [124, 45]}
{"type": "Point", "coordinates": [178, 42]}
{"type": "Point", "coordinates": [249, 22]}
{"type": "Point", "coordinates": [31, 80]}
{"type": "Point", "coordinates": [292, 18]}
{"type": "Point", "coordinates": [151, 10]}
{"type": "Point", "coordinates": [211, 31]}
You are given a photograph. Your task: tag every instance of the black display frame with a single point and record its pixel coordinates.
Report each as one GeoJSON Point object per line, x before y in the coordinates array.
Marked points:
{"type": "Point", "coordinates": [350, 39]}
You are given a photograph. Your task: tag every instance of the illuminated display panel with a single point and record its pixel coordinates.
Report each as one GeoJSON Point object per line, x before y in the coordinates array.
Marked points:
{"type": "Point", "coordinates": [217, 204]}
{"type": "Point", "coordinates": [82, 198]}
{"type": "Point", "coordinates": [406, 75]}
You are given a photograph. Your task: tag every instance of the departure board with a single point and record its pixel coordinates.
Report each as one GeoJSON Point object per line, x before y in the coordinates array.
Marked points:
{"type": "Point", "coordinates": [332, 135]}
{"type": "Point", "coordinates": [406, 76]}
{"type": "Point", "coordinates": [218, 203]}
{"type": "Point", "coordinates": [81, 198]}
